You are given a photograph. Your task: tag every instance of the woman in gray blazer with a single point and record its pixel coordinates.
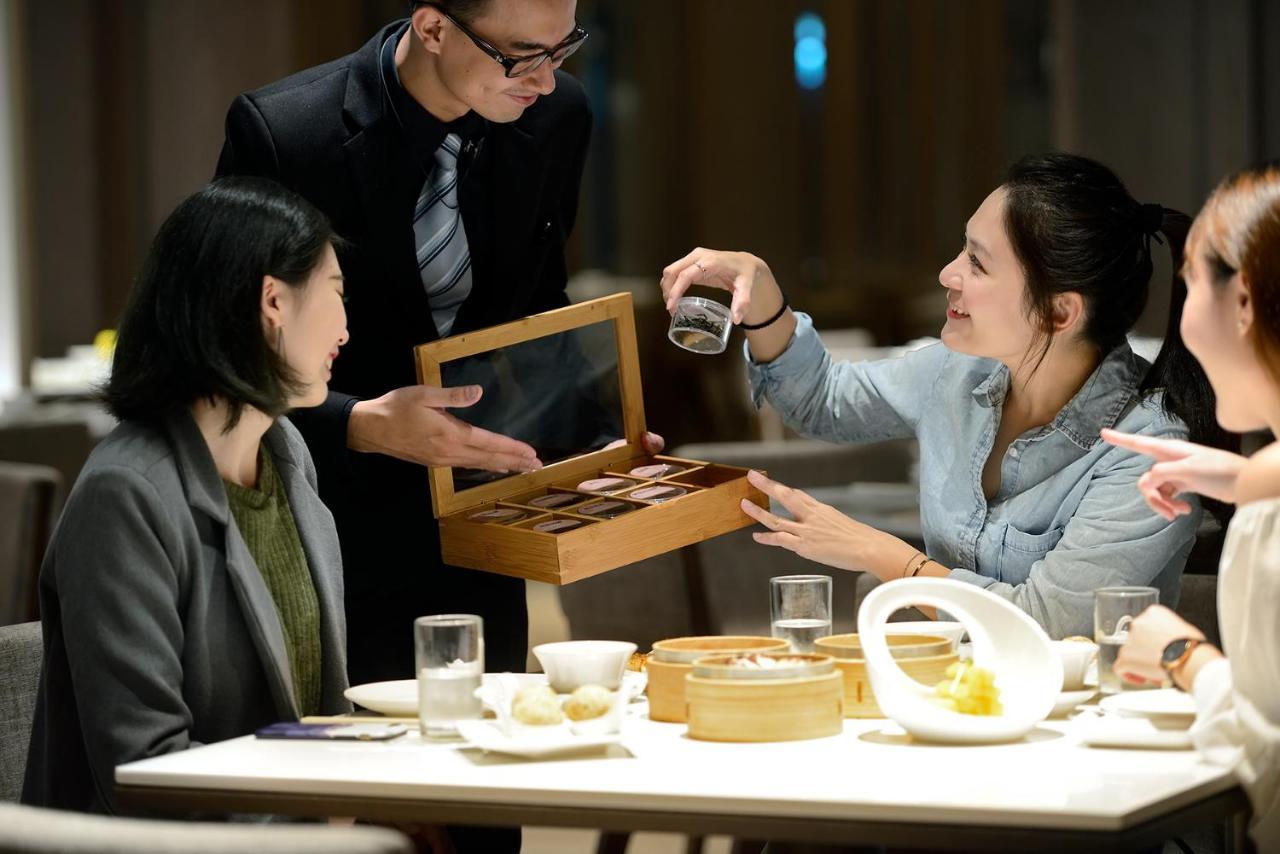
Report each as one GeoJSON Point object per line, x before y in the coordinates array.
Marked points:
{"type": "Point", "coordinates": [193, 588]}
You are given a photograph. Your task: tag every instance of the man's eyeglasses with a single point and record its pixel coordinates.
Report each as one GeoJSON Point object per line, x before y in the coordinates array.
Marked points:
{"type": "Point", "coordinates": [519, 66]}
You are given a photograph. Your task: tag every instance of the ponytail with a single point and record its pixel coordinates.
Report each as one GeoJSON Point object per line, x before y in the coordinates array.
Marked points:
{"type": "Point", "coordinates": [1175, 372]}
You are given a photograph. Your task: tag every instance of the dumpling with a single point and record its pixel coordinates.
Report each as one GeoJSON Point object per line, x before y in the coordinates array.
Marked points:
{"type": "Point", "coordinates": [588, 702]}
{"type": "Point", "coordinates": [537, 705]}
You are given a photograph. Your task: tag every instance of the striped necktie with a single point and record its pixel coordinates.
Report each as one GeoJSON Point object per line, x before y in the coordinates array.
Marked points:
{"type": "Point", "coordinates": [444, 261]}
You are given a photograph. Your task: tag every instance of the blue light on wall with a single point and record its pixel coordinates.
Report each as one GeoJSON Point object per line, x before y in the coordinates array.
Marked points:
{"type": "Point", "coordinates": [811, 51]}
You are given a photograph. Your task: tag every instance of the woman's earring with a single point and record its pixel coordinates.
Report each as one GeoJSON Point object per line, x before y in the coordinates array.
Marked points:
{"type": "Point", "coordinates": [280, 342]}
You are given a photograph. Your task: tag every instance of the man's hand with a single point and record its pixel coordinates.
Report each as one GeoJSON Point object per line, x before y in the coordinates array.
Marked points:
{"type": "Point", "coordinates": [411, 424]}
{"type": "Point", "coordinates": [652, 442]}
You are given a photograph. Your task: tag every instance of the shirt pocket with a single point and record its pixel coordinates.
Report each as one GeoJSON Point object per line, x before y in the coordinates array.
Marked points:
{"type": "Point", "coordinates": [1020, 550]}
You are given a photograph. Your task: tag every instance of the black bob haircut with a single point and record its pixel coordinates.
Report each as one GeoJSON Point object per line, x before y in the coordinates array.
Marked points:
{"type": "Point", "coordinates": [192, 327]}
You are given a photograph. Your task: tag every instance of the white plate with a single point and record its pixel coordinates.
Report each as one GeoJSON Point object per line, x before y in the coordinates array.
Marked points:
{"type": "Point", "coordinates": [399, 698]}
{"type": "Point", "coordinates": [1133, 733]}
{"type": "Point", "coordinates": [1166, 703]}
{"type": "Point", "coordinates": [1068, 700]}
{"type": "Point", "coordinates": [557, 740]}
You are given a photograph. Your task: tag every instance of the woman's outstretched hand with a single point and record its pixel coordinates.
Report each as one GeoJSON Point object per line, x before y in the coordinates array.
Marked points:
{"type": "Point", "coordinates": [822, 533]}
{"type": "Point", "coordinates": [1181, 467]}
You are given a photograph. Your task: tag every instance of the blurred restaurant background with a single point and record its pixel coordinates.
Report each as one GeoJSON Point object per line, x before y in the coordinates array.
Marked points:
{"type": "Point", "coordinates": [844, 141]}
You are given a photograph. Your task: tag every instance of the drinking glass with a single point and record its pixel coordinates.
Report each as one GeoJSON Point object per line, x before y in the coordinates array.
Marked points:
{"type": "Point", "coordinates": [1113, 610]}
{"type": "Point", "coordinates": [449, 651]}
{"type": "Point", "coordinates": [800, 609]}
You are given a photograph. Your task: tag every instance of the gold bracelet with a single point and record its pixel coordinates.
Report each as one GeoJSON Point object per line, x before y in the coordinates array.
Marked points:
{"type": "Point", "coordinates": [920, 565]}
{"type": "Point", "coordinates": [914, 555]}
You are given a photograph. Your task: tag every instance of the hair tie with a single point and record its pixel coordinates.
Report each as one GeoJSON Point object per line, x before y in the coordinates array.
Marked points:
{"type": "Point", "coordinates": [1150, 221]}
{"type": "Point", "coordinates": [1151, 218]}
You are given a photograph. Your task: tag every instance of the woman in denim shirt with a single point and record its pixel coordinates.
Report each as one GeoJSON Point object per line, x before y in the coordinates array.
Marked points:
{"type": "Point", "coordinates": [1017, 492]}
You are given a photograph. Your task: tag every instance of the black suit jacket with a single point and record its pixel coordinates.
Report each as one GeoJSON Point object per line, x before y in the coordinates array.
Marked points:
{"type": "Point", "coordinates": [329, 134]}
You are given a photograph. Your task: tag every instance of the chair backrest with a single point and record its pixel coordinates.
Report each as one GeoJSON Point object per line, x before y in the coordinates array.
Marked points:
{"type": "Point", "coordinates": [1198, 605]}
{"type": "Point", "coordinates": [21, 652]}
{"type": "Point", "coordinates": [30, 830]}
{"type": "Point", "coordinates": [29, 498]}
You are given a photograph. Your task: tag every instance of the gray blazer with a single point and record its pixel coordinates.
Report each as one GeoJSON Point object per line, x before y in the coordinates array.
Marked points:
{"type": "Point", "coordinates": [159, 631]}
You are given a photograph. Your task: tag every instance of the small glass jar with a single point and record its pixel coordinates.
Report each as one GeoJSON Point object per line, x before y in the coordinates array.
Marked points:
{"type": "Point", "coordinates": [556, 526]}
{"type": "Point", "coordinates": [658, 492]}
{"type": "Point", "coordinates": [701, 326]}
{"type": "Point", "coordinates": [554, 500]}
{"type": "Point", "coordinates": [606, 509]}
{"type": "Point", "coordinates": [657, 470]}
{"type": "Point", "coordinates": [498, 516]}
{"type": "Point", "coordinates": [606, 485]}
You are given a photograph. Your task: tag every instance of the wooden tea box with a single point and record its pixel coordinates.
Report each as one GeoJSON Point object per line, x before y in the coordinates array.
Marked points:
{"type": "Point", "coordinates": [591, 511]}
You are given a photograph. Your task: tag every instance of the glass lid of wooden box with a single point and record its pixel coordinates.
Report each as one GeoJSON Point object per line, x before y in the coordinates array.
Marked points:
{"type": "Point", "coordinates": [566, 382]}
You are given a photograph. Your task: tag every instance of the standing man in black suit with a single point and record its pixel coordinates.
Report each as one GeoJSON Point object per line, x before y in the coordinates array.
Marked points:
{"type": "Point", "coordinates": [448, 151]}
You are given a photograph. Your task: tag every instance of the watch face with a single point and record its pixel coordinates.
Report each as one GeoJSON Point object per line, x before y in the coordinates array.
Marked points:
{"type": "Point", "coordinates": [1173, 652]}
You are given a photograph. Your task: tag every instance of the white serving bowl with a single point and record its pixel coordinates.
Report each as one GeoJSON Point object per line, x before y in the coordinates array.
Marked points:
{"type": "Point", "coordinates": [952, 631]}
{"type": "Point", "coordinates": [571, 664]}
{"type": "Point", "coordinates": [1006, 641]}
{"type": "Point", "coordinates": [1076, 656]}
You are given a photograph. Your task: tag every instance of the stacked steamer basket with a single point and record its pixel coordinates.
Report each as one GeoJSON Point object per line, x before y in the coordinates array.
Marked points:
{"type": "Point", "coordinates": [764, 697]}
{"type": "Point", "coordinates": [672, 661]}
{"type": "Point", "coordinates": [925, 658]}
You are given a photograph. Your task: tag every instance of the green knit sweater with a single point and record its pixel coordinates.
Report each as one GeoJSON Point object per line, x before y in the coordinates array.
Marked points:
{"type": "Point", "coordinates": [266, 522]}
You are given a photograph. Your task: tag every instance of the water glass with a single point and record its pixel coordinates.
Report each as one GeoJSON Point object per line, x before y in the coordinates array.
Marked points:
{"type": "Point", "coordinates": [1113, 610]}
{"type": "Point", "coordinates": [449, 651]}
{"type": "Point", "coordinates": [800, 609]}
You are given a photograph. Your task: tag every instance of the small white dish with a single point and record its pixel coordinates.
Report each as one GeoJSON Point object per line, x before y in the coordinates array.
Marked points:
{"type": "Point", "coordinates": [1165, 704]}
{"type": "Point", "coordinates": [1111, 731]}
{"type": "Point", "coordinates": [397, 698]}
{"type": "Point", "coordinates": [1076, 658]}
{"type": "Point", "coordinates": [571, 664]}
{"type": "Point", "coordinates": [950, 630]}
{"type": "Point", "coordinates": [1069, 701]}
{"type": "Point", "coordinates": [553, 741]}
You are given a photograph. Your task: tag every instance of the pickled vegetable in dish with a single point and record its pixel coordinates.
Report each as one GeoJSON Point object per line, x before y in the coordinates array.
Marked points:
{"type": "Point", "coordinates": [969, 690]}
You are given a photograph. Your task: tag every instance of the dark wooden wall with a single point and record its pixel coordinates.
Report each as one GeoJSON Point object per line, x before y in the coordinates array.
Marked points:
{"type": "Point", "coordinates": [856, 194]}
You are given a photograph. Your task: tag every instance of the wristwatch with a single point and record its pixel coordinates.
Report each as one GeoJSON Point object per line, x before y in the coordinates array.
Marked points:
{"type": "Point", "coordinates": [1176, 654]}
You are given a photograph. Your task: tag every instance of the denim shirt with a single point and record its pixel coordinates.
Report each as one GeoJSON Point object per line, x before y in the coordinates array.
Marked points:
{"type": "Point", "coordinates": [1068, 517]}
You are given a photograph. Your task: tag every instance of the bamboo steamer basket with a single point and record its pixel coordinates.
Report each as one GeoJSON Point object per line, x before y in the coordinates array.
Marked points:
{"type": "Point", "coordinates": [672, 660]}
{"type": "Point", "coordinates": [924, 658]}
{"type": "Point", "coordinates": [729, 703]}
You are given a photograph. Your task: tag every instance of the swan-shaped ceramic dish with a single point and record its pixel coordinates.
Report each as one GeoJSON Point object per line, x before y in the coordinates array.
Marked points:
{"type": "Point", "coordinates": [1005, 640]}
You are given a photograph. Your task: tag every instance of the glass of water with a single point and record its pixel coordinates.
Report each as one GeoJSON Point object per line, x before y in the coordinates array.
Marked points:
{"type": "Point", "coordinates": [449, 650]}
{"type": "Point", "coordinates": [1113, 610]}
{"type": "Point", "coordinates": [800, 609]}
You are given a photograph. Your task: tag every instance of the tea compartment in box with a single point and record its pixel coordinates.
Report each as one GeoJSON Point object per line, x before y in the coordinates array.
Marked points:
{"type": "Point", "coordinates": [584, 512]}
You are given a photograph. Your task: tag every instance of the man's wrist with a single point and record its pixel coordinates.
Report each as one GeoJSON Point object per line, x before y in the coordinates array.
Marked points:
{"type": "Point", "coordinates": [362, 414]}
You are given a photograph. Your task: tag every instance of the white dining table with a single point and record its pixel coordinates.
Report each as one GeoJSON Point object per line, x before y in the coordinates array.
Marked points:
{"type": "Point", "coordinates": [871, 784]}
